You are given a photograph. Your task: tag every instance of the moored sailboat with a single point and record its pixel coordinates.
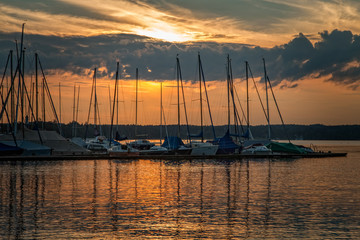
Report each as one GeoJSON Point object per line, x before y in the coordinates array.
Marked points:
{"type": "Point", "coordinates": [201, 147]}
{"type": "Point", "coordinates": [139, 144]}
{"type": "Point", "coordinates": [122, 150]}
{"type": "Point", "coordinates": [174, 144]}
{"type": "Point", "coordinates": [226, 143]}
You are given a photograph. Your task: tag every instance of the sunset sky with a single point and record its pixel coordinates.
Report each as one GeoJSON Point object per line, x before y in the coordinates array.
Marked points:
{"type": "Point", "coordinates": [311, 48]}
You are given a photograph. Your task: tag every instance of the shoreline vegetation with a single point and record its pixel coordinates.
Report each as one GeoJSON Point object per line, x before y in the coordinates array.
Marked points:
{"type": "Point", "coordinates": [289, 131]}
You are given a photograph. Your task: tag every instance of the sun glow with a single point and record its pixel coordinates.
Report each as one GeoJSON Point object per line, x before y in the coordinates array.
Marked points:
{"type": "Point", "coordinates": [164, 35]}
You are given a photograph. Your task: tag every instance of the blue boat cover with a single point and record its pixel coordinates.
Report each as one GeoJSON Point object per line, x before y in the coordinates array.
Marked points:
{"type": "Point", "coordinates": [113, 142]}
{"type": "Point", "coordinates": [172, 143]}
{"type": "Point", "coordinates": [120, 138]}
{"type": "Point", "coordinates": [248, 134]}
{"type": "Point", "coordinates": [226, 144]}
{"type": "Point", "coordinates": [9, 150]}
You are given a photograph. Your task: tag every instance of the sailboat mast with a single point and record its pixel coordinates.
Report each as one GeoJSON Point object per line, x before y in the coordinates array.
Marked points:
{"type": "Point", "coordinates": [160, 112]}
{"type": "Point", "coordinates": [74, 102]}
{"type": "Point", "coordinates": [228, 88]}
{"type": "Point", "coordinates": [22, 38]}
{"type": "Point", "coordinates": [109, 100]}
{"type": "Point", "coordinates": [36, 88]}
{"type": "Point", "coordinates": [60, 102]}
{"type": "Point", "coordinates": [118, 75]}
{"type": "Point", "coordinates": [43, 102]}
{"type": "Point", "coordinates": [19, 88]}
{"type": "Point", "coordinates": [77, 107]}
{"type": "Point", "coordinates": [117, 105]}
{"type": "Point", "coordinates": [74, 106]}
{"type": "Point", "coordinates": [115, 95]}
{"type": "Point", "coordinates": [267, 100]}
{"type": "Point", "coordinates": [207, 99]}
{"type": "Point", "coordinates": [17, 98]}
{"type": "Point", "coordinates": [247, 95]}
{"type": "Point", "coordinates": [19, 66]}
{"type": "Point", "coordinates": [201, 111]}
{"type": "Point", "coordinates": [95, 99]}
{"type": "Point", "coordinates": [22, 90]}
{"type": "Point", "coordinates": [32, 102]}
{"type": "Point", "coordinates": [31, 99]}
{"type": "Point", "coordinates": [232, 97]}
{"type": "Point", "coordinates": [178, 92]}
{"type": "Point", "coordinates": [12, 102]}
{"type": "Point", "coordinates": [136, 100]}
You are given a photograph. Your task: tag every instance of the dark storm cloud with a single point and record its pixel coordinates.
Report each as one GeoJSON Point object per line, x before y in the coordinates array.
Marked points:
{"type": "Point", "coordinates": [331, 56]}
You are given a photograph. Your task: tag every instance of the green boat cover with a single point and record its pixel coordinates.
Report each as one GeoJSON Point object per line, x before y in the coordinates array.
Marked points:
{"type": "Point", "coordinates": [285, 148]}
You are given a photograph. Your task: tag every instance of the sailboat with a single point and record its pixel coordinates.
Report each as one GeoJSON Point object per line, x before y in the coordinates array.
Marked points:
{"type": "Point", "coordinates": [140, 144]}
{"type": "Point", "coordinates": [122, 150]}
{"type": "Point", "coordinates": [277, 146]}
{"type": "Point", "coordinates": [116, 149]}
{"type": "Point", "coordinates": [226, 143]}
{"type": "Point", "coordinates": [99, 144]}
{"type": "Point", "coordinates": [251, 145]}
{"type": "Point", "coordinates": [32, 142]}
{"type": "Point", "coordinates": [174, 144]}
{"type": "Point", "coordinates": [201, 147]}
{"type": "Point", "coordinates": [157, 150]}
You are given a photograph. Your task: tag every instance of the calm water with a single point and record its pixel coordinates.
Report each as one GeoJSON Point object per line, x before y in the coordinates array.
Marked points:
{"type": "Point", "coordinates": [103, 199]}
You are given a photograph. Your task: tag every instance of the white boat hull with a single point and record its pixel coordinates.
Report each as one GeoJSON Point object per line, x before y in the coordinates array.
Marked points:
{"type": "Point", "coordinates": [122, 150]}
{"type": "Point", "coordinates": [155, 150]}
{"type": "Point", "coordinates": [256, 149]}
{"type": "Point", "coordinates": [203, 149]}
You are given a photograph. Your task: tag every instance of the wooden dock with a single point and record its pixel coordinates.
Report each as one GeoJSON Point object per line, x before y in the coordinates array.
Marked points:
{"type": "Point", "coordinates": [171, 157]}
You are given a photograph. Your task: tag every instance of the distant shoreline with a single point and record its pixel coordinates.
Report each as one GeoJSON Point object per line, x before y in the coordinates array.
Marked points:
{"type": "Point", "coordinates": [290, 131]}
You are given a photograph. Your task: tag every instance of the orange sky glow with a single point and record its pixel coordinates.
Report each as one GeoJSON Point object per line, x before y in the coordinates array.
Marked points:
{"type": "Point", "coordinates": [315, 100]}
{"type": "Point", "coordinates": [175, 23]}
{"type": "Point", "coordinates": [312, 102]}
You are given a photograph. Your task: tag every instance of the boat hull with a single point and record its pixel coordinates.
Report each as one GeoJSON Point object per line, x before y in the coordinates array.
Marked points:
{"type": "Point", "coordinates": [123, 154]}
{"type": "Point", "coordinates": [208, 150]}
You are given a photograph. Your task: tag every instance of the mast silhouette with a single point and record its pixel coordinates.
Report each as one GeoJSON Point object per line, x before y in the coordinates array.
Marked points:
{"type": "Point", "coordinates": [201, 112]}
{"type": "Point", "coordinates": [136, 100]}
{"type": "Point", "coordinates": [202, 79]}
{"type": "Point", "coordinates": [183, 96]}
{"type": "Point", "coordinates": [115, 97]}
{"type": "Point", "coordinates": [36, 89]}
{"type": "Point", "coordinates": [228, 89]}
{"type": "Point", "coordinates": [178, 73]}
{"type": "Point", "coordinates": [77, 107]}
{"type": "Point", "coordinates": [96, 111]}
{"type": "Point", "coordinates": [247, 97]}
{"type": "Point", "coordinates": [95, 99]}
{"type": "Point", "coordinates": [74, 108]}
{"type": "Point", "coordinates": [161, 113]}
{"type": "Point", "coordinates": [12, 102]}
{"type": "Point", "coordinates": [60, 102]}
{"type": "Point", "coordinates": [267, 100]}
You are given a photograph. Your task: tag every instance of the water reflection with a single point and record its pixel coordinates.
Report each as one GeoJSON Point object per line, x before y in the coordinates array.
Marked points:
{"type": "Point", "coordinates": [172, 199]}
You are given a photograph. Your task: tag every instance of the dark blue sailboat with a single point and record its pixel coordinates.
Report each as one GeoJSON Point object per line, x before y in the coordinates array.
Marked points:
{"type": "Point", "coordinates": [7, 150]}
{"type": "Point", "coordinates": [174, 144]}
{"type": "Point", "coordinates": [226, 143]}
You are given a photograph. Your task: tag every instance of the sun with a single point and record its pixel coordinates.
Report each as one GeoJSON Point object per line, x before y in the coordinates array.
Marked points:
{"type": "Point", "coordinates": [164, 35]}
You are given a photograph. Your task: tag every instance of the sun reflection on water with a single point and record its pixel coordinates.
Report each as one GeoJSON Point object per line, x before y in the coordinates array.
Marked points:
{"type": "Point", "coordinates": [183, 199]}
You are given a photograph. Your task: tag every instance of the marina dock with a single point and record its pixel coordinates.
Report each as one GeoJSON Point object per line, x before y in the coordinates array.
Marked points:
{"type": "Point", "coordinates": [171, 157]}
